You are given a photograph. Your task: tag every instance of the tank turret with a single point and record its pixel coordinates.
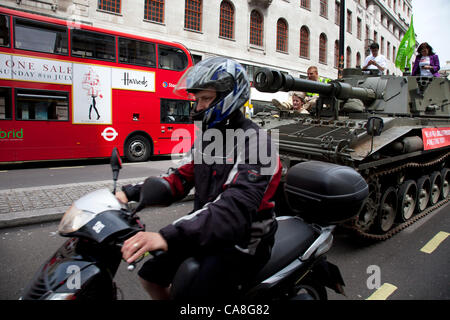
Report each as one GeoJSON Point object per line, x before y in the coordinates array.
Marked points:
{"type": "Point", "coordinates": [380, 94]}
{"type": "Point", "coordinates": [394, 130]}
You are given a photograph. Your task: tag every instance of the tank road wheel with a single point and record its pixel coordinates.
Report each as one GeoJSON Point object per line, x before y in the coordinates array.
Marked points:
{"type": "Point", "coordinates": [407, 198]}
{"type": "Point", "coordinates": [445, 176]}
{"type": "Point", "coordinates": [436, 183]}
{"type": "Point", "coordinates": [423, 193]}
{"type": "Point", "coordinates": [387, 210]}
{"type": "Point", "coordinates": [368, 212]}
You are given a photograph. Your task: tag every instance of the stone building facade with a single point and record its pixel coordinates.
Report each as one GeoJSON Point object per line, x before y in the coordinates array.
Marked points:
{"type": "Point", "coordinates": [289, 35]}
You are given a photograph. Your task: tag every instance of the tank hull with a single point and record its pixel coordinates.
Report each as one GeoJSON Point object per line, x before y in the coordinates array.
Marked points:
{"type": "Point", "coordinates": [395, 131]}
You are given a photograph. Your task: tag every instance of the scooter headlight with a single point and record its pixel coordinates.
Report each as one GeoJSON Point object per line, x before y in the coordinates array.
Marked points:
{"type": "Point", "coordinates": [61, 296]}
{"type": "Point", "coordinates": [74, 219]}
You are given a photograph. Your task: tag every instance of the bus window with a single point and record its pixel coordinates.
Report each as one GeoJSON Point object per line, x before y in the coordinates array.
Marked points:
{"type": "Point", "coordinates": [30, 35]}
{"type": "Point", "coordinates": [41, 105]}
{"type": "Point", "coordinates": [137, 52]}
{"type": "Point", "coordinates": [5, 104]}
{"type": "Point", "coordinates": [4, 30]}
{"type": "Point", "coordinates": [175, 111]}
{"type": "Point", "coordinates": [172, 58]}
{"type": "Point", "coordinates": [93, 45]}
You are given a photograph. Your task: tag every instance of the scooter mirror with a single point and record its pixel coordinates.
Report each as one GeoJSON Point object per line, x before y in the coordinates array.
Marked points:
{"type": "Point", "coordinates": [116, 165]}
{"type": "Point", "coordinates": [116, 162]}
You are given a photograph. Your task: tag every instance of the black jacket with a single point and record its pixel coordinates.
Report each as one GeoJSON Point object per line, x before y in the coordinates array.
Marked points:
{"type": "Point", "coordinates": [233, 206]}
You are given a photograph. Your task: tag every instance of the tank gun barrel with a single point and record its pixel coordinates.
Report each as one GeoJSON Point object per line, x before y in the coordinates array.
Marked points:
{"type": "Point", "coordinates": [268, 80]}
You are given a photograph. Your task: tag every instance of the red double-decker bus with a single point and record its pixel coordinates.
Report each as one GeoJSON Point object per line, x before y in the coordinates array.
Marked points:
{"type": "Point", "coordinates": [71, 91]}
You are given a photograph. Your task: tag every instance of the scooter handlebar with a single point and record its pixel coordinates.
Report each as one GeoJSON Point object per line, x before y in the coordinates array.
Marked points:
{"type": "Point", "coordinates": [155, 253]}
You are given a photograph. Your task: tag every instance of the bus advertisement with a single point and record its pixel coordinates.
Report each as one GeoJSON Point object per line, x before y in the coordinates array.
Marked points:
{"type": "Point", "coordinates": [72, 93]}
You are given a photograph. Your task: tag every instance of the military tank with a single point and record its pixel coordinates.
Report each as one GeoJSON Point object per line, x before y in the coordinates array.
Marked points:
{"type": "Point", "coordinates": [394, 130]}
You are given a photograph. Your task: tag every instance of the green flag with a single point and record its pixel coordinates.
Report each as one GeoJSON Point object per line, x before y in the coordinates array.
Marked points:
{"type": "Point", "coordinates": [406, 48]}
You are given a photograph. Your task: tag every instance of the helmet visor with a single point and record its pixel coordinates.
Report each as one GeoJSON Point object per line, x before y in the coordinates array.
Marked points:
{"type": "Point", "coordinates": [203, 77]}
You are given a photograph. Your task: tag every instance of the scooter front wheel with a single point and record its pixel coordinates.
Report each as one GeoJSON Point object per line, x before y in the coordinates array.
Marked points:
{"type": "Point", "coordinates": [309, 290]}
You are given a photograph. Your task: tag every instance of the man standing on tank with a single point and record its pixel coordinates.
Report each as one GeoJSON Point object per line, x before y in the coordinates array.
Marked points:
{"type": "Point", "coordinates": [375, 61]}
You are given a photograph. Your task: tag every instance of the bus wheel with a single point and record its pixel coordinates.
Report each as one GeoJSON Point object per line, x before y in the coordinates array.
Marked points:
{"type": "Point", "coordinates": [138, 148]}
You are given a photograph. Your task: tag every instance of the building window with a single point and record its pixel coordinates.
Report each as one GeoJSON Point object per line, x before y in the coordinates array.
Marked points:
{"type": "Point", "coordinates": [358, 28]}
{"type": "Point", "coordinates": [336, 54]}
{"type": "Point", "coordinates": [324, 8]}
{"type": "Point", "coordinates": [256, 28]}
{"type": "Point", "coordinates": [323, 48]}
{"type": "Point", "coordinates": [337, 13]}
{"type": "Point", "coordinates": [282, 35]}
{"type": "Point", "coordinates": [109, 5]}
{"type": "Point", "coordinates": [305, 4]}
{"type": "Point", "coordinates": [226, 20]}
{"type": "Point", "coordinates": [388, 50]}
{"type": "Point", "coordinates": [382, 45]}
{"type": "Point", "coordinates": [349, 21]}
{"type": "Point", "coordinates": [154, 10]}
{"type": "Point", "coordinates": [193, 15]}
{"type": "Point", "coordinates": [304, 42]}
{"type": "Point", "coordinates": [358, 60]}
{"type": "Point", "coordinates": [348, 58]}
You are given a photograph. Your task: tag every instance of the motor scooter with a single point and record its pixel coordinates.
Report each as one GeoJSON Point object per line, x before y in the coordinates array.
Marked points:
{"type": "Point", "coordinates": [97, 225]}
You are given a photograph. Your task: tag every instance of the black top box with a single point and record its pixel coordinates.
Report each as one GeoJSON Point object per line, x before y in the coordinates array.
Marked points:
{"type": "Point", "coordinates": [324, 192]}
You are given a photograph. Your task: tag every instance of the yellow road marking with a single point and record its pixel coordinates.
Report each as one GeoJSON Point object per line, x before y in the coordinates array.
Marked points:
{"type": "Point", "coordinates": [383, 292]}
{"type": "Point", "coordinates": [435, 242]}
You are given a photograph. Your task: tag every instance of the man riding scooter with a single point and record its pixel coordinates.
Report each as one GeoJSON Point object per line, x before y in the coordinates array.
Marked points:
{"type": "Point", "coordinates": [231, 229]}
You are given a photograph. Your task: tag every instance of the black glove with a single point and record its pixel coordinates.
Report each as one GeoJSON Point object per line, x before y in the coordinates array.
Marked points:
{"type": "Point", "coordinates": [154, 191]}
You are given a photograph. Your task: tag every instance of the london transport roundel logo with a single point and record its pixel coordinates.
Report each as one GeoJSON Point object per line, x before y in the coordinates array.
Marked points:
{"type": "Point", "coordinates": [109, 134]}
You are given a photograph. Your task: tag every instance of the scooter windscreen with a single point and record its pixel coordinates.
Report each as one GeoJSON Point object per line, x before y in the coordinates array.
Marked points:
{"type": "Point", "coordinates": [87, 208]}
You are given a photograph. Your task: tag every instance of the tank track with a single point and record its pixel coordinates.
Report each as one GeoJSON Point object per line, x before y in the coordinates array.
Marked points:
{"type": "Point", "coordinates": [352, 224]}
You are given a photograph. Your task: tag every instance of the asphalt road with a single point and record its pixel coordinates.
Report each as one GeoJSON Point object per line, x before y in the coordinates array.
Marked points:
{"type": "Point", "coordinates": [25, 249]}
{"type": "Point", "coordinates": [65, 172]}
{"type": "Point", "coordinates": [392, 269]}
{"type": "Point", "coordinates": [396, 263]}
